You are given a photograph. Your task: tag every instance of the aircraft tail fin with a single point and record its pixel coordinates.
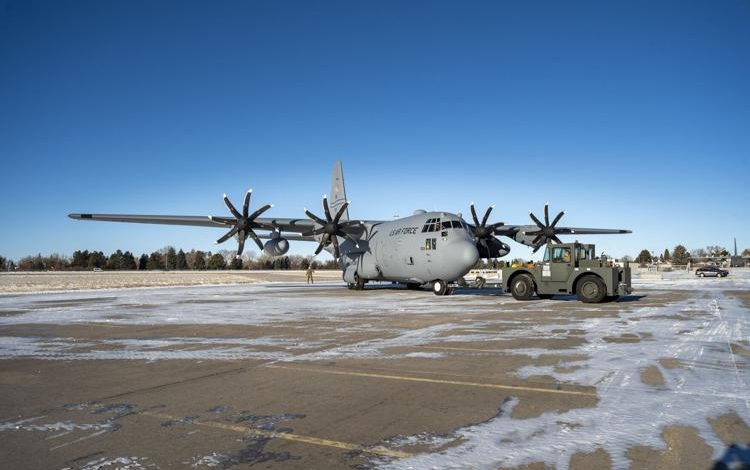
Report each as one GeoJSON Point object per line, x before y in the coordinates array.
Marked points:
{"type": "Point", "coordinates": [338, 191]}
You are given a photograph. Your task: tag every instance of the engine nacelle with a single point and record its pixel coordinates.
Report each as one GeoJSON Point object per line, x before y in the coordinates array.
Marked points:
{"type": "Point", "coordinates": [497, 249]}
{"type": "Point", "coordinates": [276, 246]}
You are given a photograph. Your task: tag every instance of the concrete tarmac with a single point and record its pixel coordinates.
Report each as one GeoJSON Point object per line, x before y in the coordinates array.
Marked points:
{"type": "Point", "coordinates": [329, 383]}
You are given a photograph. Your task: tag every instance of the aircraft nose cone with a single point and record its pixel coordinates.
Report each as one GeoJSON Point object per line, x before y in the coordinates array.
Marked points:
{"type": "Point", "coordinates": [465, 254]}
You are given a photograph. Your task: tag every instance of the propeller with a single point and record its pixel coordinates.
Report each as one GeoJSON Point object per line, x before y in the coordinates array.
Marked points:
{"type": "Point", "coordinates": [482, 231]}
{"type": "Point", "coordinates": [546, 230]}
{"type": "Point", "coordinates": [331, 228]}
{"type": "Point", "coordinates": [243, 223]}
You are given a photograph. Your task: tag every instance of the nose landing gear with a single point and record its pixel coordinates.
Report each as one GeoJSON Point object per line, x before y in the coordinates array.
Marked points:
{"type": "Point", "coordinates": [440, 287]}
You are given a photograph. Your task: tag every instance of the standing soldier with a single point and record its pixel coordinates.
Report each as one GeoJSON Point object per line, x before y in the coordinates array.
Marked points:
{"type": "Point", "coordinates": [309, 274]}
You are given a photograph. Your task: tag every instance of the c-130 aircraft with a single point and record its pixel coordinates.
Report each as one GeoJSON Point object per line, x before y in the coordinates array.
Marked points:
{"type": "Point", "coordinates": [435, 248]}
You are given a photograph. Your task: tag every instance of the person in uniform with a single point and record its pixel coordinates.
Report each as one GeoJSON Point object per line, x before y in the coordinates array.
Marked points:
{"type": "Point", "coordinates": [309, 274]}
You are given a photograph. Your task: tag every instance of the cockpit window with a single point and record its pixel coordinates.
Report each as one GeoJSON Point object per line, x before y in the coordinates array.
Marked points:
{"type": "Point", "coordinates": [432, 225]}
{"type": "Point", "coordinates": [456, 224]}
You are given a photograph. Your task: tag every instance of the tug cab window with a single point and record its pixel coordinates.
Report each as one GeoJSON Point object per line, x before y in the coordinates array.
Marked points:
{"type": "Point", "coordinates": [561, 255]}
{"type": "Point", "coordinates": [430, 244]}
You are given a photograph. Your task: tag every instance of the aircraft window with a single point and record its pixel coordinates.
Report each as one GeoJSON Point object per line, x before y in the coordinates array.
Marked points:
{"type": "Point", "coordinates": [446, 224]}
{"type": "Point", "coordinates": [456, 224]}
{"type": "Point", "coordinates": [424, 229]}
{"type": "Point", "coordinates": [430, 244]}
{"type": "Point", "coordinates": [434, 243]}
{"type": "Point", "coordinates": [561, 255]}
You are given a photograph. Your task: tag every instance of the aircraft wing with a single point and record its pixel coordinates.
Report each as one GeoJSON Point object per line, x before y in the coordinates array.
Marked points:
{"type": "Point", "coordinates": [536, 236]}
{"type": "Point", "coordinates": [288, 227]}
{"type": "Point", "coordinates": [511, 230]}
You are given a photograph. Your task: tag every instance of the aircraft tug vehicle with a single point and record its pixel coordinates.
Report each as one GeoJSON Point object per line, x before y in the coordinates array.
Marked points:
{"type": "Point", "coordinates": [569, 268]}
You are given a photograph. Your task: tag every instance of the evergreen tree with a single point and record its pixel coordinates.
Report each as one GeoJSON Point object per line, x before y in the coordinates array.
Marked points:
{"type": "Point", "coordinates": [198, 261]}
{"type": "Point", "coordinates": [155, 261]}
{"type": "Point", "coordinates": [80, 259]}
{"type": "Point", "coordinates": [115, 260]}
{"type": "Point", "coordinates": [644, 257]}
{"type": "Point", "coordinates": [3, 264]}
{"type": "Point", "coordinates": [217, 262]}
{"type": "Point", "coordinates": [181, 263]}
{"type": "Point", "coordinates": [127, 262]}
{"type": "Point", "coordinates": [236, 263]}
{"type": "Point", "coordinates": [170, 258]}
{"type": "Point", "coordinates": [667, 256]}
{"type": "Point", "coordinates": [97, 260]}
{"type": "Point", "coordinates": [680, 255]}
{"type": "Point", "coordinates": [746, 252]}
{"type": "Point", "coordinates": [143, 262]}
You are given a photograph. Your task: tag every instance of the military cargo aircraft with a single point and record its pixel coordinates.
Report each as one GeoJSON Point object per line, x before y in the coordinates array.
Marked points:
{"type": "Point", "coordinates": [427, 248]}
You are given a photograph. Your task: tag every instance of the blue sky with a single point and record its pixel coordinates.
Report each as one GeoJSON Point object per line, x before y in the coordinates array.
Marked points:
{"type": "Point", "coordinates": [626, 114]}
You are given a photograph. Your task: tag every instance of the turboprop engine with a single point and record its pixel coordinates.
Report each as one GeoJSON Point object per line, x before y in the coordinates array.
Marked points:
{"type": "Point", "coordinates": [276, 246]}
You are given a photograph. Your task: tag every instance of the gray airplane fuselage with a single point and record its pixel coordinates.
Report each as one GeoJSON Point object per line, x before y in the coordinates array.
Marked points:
{"type": "Point", "coordinates": [418, 249]}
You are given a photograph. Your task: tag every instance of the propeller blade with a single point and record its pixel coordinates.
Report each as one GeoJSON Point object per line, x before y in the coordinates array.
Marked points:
{"type": "Point", "coordinates": [246, 204]}
{"type": "Point", "coordinates": [229, 234]}
{"type": "Point", "coordinates": [495, 225]}
{"type": "Point", "coordinates": [557, 240]}
{"type": "Point", "coordinates": [231, 207]}
{"type": "Point", "coordinates": [336, 252]}
{"type": "Point", "coordinates": [241, 245]}
{"type": "Point", "coordinates": [340, 212]}
{"type": "Point", "coordinates": [315, 218]}
{"type": "Point", "coordinates": [487, 215]}
{"type": "Point", "coordinates": [537, 221]}
{"type": "Point", "coordinates": [474, 215]}
{"type": "Point", "coordinates": [326, 209]}
{"type": "Point", "coordinates": [255, 214]}
{"type": "Point", "coordinates": [546, 214]}
{"type": "Point", "coordinates": [254, 236]}
{"type": "Point", "coordinates": [557, 219]}
{"type": "Point", "coordinates": [536, 248]}
{"type": "Point", "coordinates": [537, 239]}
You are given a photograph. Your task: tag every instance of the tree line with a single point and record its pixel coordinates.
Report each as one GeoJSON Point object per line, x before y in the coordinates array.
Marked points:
{"type": "Point", "coordinates": [167, 258]}
{"type": "Point", "coordinates": [171, 259]}
{"type": "Point", "coordinates": [681, 256]}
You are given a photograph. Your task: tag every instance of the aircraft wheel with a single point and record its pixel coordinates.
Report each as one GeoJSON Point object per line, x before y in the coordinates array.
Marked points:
{"type": "Point", "coordinates": [450, 291]}
{"type": "Point", "coordinates": [440, 287]}
{"type": "Point", "coordinates": [702, 275]}
{"type": "Point", "coordinates": [359, 283]}
{"type": "Point", "coordinates": [350, 285]}
{"type": "Point", "coordinates": [522, 287]}
{"type": "Point", "coordinates": [591, 289]}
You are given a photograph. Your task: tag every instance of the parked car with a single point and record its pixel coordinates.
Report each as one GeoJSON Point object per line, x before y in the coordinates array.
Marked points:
{"type": "Point", "coordinates": [711, 271]}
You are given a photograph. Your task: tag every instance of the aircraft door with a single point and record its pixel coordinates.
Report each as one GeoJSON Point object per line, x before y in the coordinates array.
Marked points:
{"type": "Point", "coordinates": [557, 265]}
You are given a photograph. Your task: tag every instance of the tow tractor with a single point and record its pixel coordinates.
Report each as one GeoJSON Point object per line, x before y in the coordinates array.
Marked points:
{"type": "Point", "coordinates": [569, 268]}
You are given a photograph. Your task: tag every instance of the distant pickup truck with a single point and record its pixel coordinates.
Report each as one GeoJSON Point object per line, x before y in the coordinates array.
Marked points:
{"type": "Point", "coordinates": [569, 268]}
